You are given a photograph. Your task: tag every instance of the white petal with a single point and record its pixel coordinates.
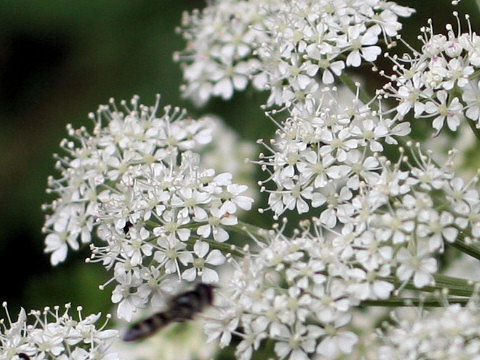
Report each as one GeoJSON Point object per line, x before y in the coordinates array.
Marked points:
{"type": "Point", "coordinates": [215, 258]}
{"type": "Point", "coordinates": [371, 53]}
{"type": "Point", "coordinates": [189, 274]}
{"type": "Point", "coordinates": [421, 279]}
{"type": "Point", "coordinates": [382, 289]}
{"type": "Point", "coordinates": [201, 248]}
{"type": "Point", "coordinates": [244, 202]}
{"type": "Point", "coordinates": [220, 234]}
{"type": "Point", "coordinates": [224, 88]}
{"type": "Point", "coordinates": [354, 58]}
{"type": "Point", "coordinates": [209, 276]}
{"type": "Point", "coordinates": [59, 255]}
{"type": "Point", "coordinates": [204, 230]}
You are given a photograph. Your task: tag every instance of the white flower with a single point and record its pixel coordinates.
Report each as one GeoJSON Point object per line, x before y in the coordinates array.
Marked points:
{"type": "Point", "coordinates": [122, 143]}
{"type": "Point", "coordinates": [471, 96]}
{"type": "Point", "coordinates": [222, 329]}
{"type": "Point", "coordinates": [437, 228]}
{"type": "Point", "coordinates": [420, 266]}
{"type": "Point", "coordinates": [285, 45]}
{"type": "Point", "coordinates": [56, 242]}
{"type": "Point", "coordinates": [294, 196]}
{"type": "Point", "coordinates": [128, 295]}
{"type": "Point", "coordinates": [410, 95]}
{"type": "Point", "coordinates": [428, 335]}
{"type": "Point", "coordinates": [457, 73]}
{"type": "Point", "coordinates": [53, 334]}
{"type": "Point", "coordinates": [214, 257]}
{"type": "Point", "coordinates": [230, 78]}
{"type": "Point", "coordinates": [215, 220]}
{"type": "Point", "coordinates": [138, 180]}
{"type": "Point", "coordinates": [431, 80]}
{"type": "Point", "coordinates": [171, 253]}
{"type": "Point", "coordinates": [362, 44]}
{"type": "Point", "coordinates": [297, 344]}
{"type": "Point", "coordinates": [233, 198]}
{"type": "Point", "coordinates": [452, 111]}
{"type": "Point", "coordinates": [324, 63]}
{"type": "Point", "coordinates": [338, 342]}
{"type": "Point", "coordinates": [367, 285]}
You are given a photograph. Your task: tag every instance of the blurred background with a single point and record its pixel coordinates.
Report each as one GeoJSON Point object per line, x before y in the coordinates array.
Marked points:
{"type": "Point", "coordinates": [60, 59]}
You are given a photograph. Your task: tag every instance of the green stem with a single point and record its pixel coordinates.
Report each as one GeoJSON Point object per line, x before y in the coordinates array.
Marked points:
{"type": "Point", "coordinates": [454, 286]}
{"type": "Point", "coordinates": [475, 75]}
{"type": "Point", "coordinates": [450, 280]}
{"type": "Point", "coordinates": [249, 229]}
{"type": "Point", "coordinates": [469, 249]}
{"type": "Point", "coordinates": [427, 302]}
{"type": "Point", "coordinates": [224, 248]}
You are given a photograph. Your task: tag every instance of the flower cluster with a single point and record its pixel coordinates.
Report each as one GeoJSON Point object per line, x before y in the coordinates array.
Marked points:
{"type": "Point", "coordinates": [138, 180]}
{"type": "Point", "coordinates": [121, 144]}
{"type": "Point", "coordinates": [386, 221]}
{"type": "Point", "coordinates": [441, 81]}
{"type": "Point", "coordinates": [288, 47]}
{"type": "Point", "coordinates": [325, 157]}
{"type": "Point", "coordinates": [313, 41]}
{"type": "Point", "coordinates": [324, 150]}
{"type": "Point", "coordinates": [56, 335]}
{"type": "Point", "coordinates": [219, 57]}
{"type": "Point", "coordinates": [389, 240]}
{"type": "Point", "coordinates": [449, 333]}
{"type": "Point", "coordinates": [296, 291]}
{"type": "Point", "coordinates": [170, 222]}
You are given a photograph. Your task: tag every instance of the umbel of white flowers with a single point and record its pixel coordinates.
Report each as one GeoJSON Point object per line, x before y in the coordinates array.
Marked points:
{"type": "Point", "coordinates": [55, 334]}
{"type": "Point", "coordinates": [449, 333]}
{"type": "Point", "coordinates": [162, 217]}
{"type": "Point", "coordinates": [138, 180]}
{"type": "Point", "coordinates": [288, 47]}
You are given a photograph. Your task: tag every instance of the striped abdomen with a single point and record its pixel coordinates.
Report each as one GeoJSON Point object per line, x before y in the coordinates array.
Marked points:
{"type": "Point", "coordinates": [180, 308]}
{"type": "Point", "coordinates": [148, 326]}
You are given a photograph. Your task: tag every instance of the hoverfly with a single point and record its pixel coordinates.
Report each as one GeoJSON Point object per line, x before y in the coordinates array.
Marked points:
{"type": "Point", "coordinates": [182, 307]}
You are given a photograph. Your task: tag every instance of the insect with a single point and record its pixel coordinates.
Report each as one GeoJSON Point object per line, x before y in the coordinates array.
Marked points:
{"type": "Point", "coordinates": [24, 356]}
{"type": "Point", "coordinates": [127, 227]}
{"type": "Point", "coordinates": [180, 308]}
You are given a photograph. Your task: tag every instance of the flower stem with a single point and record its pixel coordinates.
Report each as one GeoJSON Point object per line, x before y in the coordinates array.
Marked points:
{"type": "Point", "coordinates": [362, 94]}
{"type": "Point", "coordinates": [427, 302]}
{"type": "Point", "coordinates": [224, 248]}
{"type": "Point", "coordinates": [454, 286]}
{"type": "Point", "coordinates": [249, 229]}
{"type": "Point", "coordinates": [463, 246]}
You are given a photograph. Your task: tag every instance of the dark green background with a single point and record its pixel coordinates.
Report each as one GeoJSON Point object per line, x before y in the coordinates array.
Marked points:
{"type": "Point", "coordinates": [60, 59]}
